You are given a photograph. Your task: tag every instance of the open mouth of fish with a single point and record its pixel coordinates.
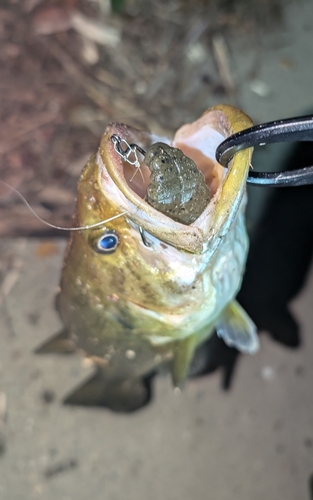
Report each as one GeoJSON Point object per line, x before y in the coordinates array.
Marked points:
{"type": "Point", "coordinates": [127, 185]}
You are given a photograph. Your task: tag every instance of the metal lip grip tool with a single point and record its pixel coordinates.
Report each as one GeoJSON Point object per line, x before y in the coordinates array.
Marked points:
{"type": "Point", "coordinates": [288, 130]}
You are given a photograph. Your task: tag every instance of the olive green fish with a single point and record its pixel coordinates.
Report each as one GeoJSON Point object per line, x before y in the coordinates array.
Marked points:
{"type": "Point", "coordinates": [144, 290]}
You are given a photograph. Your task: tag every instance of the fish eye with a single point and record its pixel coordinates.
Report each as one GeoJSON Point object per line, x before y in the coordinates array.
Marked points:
{"type": "Point", "coordinates": [106, 243]}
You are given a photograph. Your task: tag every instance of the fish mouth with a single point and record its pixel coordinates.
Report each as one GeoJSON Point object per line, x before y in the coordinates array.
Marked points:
{"type": "Point", "coordinates": [127, 185]}
{"type": "Point", "coordinates": [198, 141]}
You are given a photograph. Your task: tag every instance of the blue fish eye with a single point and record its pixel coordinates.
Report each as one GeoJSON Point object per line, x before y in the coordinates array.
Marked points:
{"type": "Point", "coordinates": [107, 242]}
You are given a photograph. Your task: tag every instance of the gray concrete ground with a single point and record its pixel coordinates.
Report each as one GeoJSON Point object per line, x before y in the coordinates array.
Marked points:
{"type": "Point", "coordinates": [252, 443]}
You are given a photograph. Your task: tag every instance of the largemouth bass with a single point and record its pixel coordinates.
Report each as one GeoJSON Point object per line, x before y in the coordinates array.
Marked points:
{"type": "Point", "coordinates": [144, 290]}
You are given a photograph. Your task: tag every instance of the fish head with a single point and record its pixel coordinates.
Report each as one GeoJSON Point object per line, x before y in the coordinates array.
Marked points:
{"type": "Point", "coordinates": [110, 186]}
{"type": "Point", "coordinates": [141, 257]}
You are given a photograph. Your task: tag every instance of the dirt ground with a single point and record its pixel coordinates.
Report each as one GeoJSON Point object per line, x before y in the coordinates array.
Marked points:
{"type": "Point", "coordinates": [67, 69]}
{"type": "Point", "coordinates": [70, 67]}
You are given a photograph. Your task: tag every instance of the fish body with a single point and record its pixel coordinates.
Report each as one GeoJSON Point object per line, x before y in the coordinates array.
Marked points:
{"type": "Point", "coordinates": [133, 306]}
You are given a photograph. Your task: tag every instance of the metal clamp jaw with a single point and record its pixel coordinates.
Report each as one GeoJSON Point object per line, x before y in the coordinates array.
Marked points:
{"type": "Point", "coordinates": [288, 130]}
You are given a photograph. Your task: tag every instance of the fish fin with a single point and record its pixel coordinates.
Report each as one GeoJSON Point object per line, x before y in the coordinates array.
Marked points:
{"type": "Point", "coordinates": [124, 395]}
{"type": "Point", "coordinates": [237, 329]}
{"type": "Point", "coordinates": [183, 354]}
{"type": "Point", "coordinates": [59, 343]}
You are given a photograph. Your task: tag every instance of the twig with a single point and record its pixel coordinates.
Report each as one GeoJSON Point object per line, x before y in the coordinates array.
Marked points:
{"type": "Point", "coordinates": [3, 407]}
{"type": "Point", "coordinates": [3, 415]}
{"type": "Point", "coordinates": [10, 279]}
{"type": "Point", "coordinates": [222, 60]}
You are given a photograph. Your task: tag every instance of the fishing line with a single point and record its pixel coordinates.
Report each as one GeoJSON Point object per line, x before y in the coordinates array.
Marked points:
{"type": "Point", "coordinates": [81, 228]}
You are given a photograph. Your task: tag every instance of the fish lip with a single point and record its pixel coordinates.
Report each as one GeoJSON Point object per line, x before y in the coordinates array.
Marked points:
{"type": "Point", "coordinates": [215, 220]}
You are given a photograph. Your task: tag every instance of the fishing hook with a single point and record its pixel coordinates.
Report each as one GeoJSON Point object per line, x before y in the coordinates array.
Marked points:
{"type": "Point", "coordinates": [287, 130]}
{"type": "Point", "coordinates": [129, 149]}
{"type": "Point", "coordinates": [125, 153]}
{"type": "Point", "coordinates": [145, 241]}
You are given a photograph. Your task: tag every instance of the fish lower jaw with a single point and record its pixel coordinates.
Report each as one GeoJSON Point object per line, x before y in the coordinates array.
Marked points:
{"type": "Point", "coordinates": [157, 340]}
{"type": "Point", "coordinates": [202, 333]}
{"type": "Point", "coordinates": [178, 334]}
{"type": "Point", "coordinates": [162, 328]}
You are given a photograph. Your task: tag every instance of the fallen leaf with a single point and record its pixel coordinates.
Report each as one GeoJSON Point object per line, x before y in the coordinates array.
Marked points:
{"type": "Point", "coordinates": [55, 196]}
{"type": "Point", "coordinates": [52, 19]}
{"type": "Point", "coordinates": [46, 248]}
{"type": "Point", "coordinates": [94, 30]}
